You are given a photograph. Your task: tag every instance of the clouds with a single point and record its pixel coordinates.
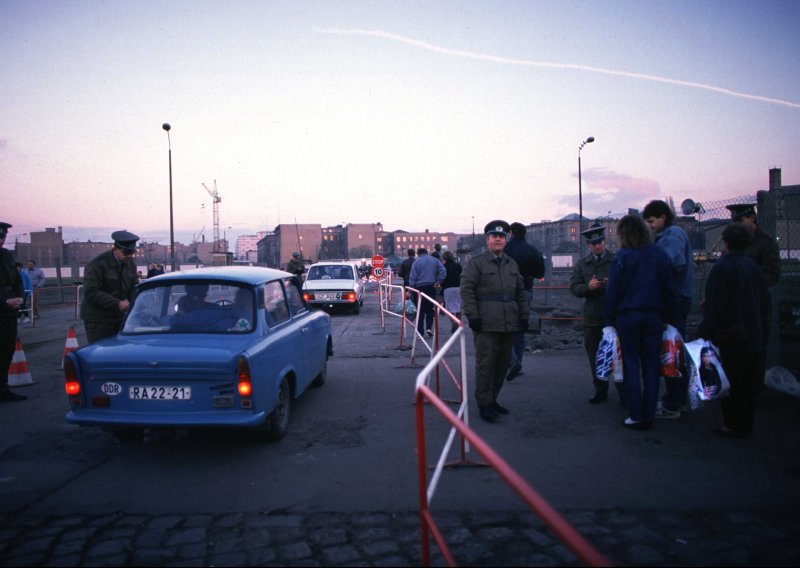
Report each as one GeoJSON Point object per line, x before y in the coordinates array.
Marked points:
{"type": "Point", "coordinates": [606, 191]}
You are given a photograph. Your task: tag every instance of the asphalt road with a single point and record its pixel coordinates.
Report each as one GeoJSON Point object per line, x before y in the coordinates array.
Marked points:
{"type": "Point", "coordinates": [351, 448]}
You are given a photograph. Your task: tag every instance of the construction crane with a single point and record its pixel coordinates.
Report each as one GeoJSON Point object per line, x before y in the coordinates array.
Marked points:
{"type": "Point", "coordinates": [215, 198]}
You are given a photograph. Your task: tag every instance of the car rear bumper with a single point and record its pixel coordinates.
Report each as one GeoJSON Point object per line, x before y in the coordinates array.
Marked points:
{"type": "Point", "coordinates": [237, 418]}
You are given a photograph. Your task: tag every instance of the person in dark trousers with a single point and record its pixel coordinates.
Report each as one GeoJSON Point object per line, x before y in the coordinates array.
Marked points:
{"type": "Point", "coordinates": [531, 265]}
{"type": "Point", "coordinates": [427, 274]}
{"type": "Point", "coordinates": [451, 286]}
{"type": "Point", "coordinates": [639, 300]}
{"type": "Point", "coordinates": [493, 299]}
{"type": "Point", "coordinates": [675, 243]}
{"type": "Point", "coordinates": [733, 318]}
{"type": "Point", "coordinates": [11, 298]}
{"type": "Point", "coordinates": [589, 280]}
{"type": "Point", "coordinates": [404, 271]}
{"type": "Point", "coordinates": [108, 283]}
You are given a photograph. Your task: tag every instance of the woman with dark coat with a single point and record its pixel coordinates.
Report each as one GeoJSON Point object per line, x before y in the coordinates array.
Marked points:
{"type": "Point", "coordinates": [733, 318]}
{"type": "Point", "coordinates": [638, 302]}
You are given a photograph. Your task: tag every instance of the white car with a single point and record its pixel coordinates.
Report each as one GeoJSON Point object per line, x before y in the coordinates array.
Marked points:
{"type": "Point", "coordinates": [334, 283]}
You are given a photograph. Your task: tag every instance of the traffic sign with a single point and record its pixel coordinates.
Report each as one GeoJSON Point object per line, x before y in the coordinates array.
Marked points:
{"type": "Point", "coordinates": [377, 261]}
{"type": "Point", "coordinates": [377, 272]}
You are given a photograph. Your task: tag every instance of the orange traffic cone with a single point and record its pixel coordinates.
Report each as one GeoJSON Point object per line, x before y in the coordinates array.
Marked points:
{"type": "Point", "coordinates": [71, 343]}
{"type": "Point", "coordinates": [18, 373]}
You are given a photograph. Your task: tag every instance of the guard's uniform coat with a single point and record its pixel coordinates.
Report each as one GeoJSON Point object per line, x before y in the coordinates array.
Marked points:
{"type": "Point", "coordinates": [105, 283]}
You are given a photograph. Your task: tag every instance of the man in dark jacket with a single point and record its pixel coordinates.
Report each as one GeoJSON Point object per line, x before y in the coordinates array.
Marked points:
{"type": "Point", "coordinates": [108, 283]}
{"type": "Point", "coordinates": [11, 297]}
{"type": "Point", "coordinates": [404, 271]}
{"type": "Point", "coordinates": [736, 292]}
{"type": "Point", "coordinates": [589, 281]}
{"type": "Point", "coordinates": [531, 265]}
{"type": "Point", "coordinates": [493, 299]}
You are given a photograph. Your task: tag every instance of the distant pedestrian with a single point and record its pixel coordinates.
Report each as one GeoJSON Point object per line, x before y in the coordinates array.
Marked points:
{"type": "Point", "coordinates": [427, 274]}
{"type": "Point", "coordinates": [405, 267]}
{"type": "Point", "coordinates": [451, 286]}
{"type": "Point", "coordinates": [733, 318]}
{"type": "Point", "coordinates": [675, 242]}
{"type": "Point", "coordinates": [437, 251]}
{"type": "Point", "coordinates": [531, 266]}
{"type": "Point", "coordinates": [27, 288]}
{"type": "Point", "coordinates": [494, 302]}
{"type": "Point", "coordinates": [11, 298]}
{"type": "Point", "coordinates": [37, 282]}
{"type": "Point", "coordinates": [638, 302]}
{"type": "Point", "coordinates": [589, 281]}
{"type": "Point", "coordinates": [108, 283]}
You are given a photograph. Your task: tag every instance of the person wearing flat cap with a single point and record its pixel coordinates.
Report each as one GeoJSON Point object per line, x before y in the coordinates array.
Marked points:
{"type": "Point", "coordinates": [494, 302]}
{"type": "Point", "coordinates": [589, 280]}
{"type": "Point", "coordinates": [11, 297]}
{"type": "Point", "coordinates": [295, 266]}
{"type": "Point", "coordinates": [108, 283]}
{"type": "Point", "coordinates": [763, 249]}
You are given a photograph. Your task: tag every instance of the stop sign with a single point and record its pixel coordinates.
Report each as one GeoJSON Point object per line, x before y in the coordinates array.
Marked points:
{"type": "Point", "coordinates": [377, 261]}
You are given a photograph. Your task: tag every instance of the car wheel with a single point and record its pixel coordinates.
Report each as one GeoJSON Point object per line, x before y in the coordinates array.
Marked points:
{"type": "Point", "coordinates": [320, 379]}
{"type": "Point", "coordinates": [356, 308]}
{"type": "Point", "coordinates": [277, 423]}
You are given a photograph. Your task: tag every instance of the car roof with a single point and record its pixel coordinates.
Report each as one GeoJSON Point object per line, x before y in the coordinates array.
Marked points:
{"type": "Point", "coordinates": [336, 263]}
{"type": "Point", "coordinates": [252, 275]}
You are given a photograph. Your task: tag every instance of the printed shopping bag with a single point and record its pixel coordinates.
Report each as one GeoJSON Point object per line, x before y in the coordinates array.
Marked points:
{"type": "Point", "coordinates": [707, 380]}
{"type": "Point", "coordinates": [608, 362]}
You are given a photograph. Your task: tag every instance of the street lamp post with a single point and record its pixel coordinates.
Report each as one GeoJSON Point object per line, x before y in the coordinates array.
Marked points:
{"type": "Point", "coordinates": [167, 127]}
{"type": "Point", "coordinates": [580, 187]}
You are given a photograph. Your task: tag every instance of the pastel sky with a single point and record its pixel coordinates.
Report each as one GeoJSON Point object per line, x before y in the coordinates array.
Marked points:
{"type": "Point", "coordinates": [420, 115]}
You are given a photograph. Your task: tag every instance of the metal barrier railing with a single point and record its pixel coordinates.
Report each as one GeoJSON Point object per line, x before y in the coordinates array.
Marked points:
{"type": "Point", "coordinates": [560, 526]}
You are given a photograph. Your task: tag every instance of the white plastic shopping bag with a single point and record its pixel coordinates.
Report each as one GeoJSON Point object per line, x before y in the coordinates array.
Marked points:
{"type": "Point", "coordinates": [608, 362]}
{"type": "Point", "coordinates": [707, 380]}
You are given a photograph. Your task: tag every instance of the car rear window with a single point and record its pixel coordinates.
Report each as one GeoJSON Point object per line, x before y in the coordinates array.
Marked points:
{"type": "Point", "coordinates": [192, 307]}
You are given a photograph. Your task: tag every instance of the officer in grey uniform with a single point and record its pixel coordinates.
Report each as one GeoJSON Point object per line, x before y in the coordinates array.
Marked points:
{"type": "Point", "coordinates": [494, 302]}
{"type": "Point", "coordinates": [108, 283]}
{"type": "Point", "coordinates": [589, 281]}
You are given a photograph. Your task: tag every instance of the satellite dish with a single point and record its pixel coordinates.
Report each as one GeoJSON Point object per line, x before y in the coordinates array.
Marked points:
{"type": "Point", "coordinates": [689, 207]}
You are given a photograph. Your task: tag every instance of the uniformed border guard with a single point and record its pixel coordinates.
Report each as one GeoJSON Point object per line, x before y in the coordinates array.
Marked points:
{"type": "Point", "coordinates": [494, 302]}
{"type": "Point", "coordinates": [108, 283]}
{"type": "Point", "coordinates": [11, 296]}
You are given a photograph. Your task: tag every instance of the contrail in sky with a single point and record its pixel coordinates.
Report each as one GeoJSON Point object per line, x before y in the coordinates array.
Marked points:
{"type": "Point", "coordinates": [529, 63]}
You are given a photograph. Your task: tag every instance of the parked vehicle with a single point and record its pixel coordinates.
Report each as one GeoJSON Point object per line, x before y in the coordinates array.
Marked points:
{"type": "Point", "coordinates": [222, 346]}
{"type": "Point", "coordinates": [330, 284]}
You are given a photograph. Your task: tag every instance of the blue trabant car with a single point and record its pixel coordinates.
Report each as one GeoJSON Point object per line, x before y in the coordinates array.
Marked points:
{"type": "Point", "coordinates": [224, 346]}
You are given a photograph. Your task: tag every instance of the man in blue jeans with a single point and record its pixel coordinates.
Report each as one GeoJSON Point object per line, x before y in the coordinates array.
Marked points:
{"type": "Point", "coordinates": [675, 243]}
{"type": "Point", "coordinates": [427, 274]}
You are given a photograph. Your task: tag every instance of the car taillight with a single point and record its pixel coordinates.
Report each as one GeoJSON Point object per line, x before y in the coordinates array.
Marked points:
{"type": "Point", "coordinates": [243, 384]}
{"type": "Point", "coordinates": [349, 296]}
{"type": "Point", "coordinates": [71, 385]}
{"type": "Point", "coordinates": [308, 296]}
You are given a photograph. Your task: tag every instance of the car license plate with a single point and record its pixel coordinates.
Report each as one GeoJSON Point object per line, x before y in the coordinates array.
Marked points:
{"type": "Point", "coordinates": [329, 297]}
{"type": "Point", "coordinates": [160, 393]}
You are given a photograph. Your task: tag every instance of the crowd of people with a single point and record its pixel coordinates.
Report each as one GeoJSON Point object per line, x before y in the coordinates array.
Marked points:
{"type": "Point", "coordinates": [638, 289]}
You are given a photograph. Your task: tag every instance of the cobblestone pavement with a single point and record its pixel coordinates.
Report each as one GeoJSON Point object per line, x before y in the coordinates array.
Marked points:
{"type": "Point", "coordinates": [640, 538]}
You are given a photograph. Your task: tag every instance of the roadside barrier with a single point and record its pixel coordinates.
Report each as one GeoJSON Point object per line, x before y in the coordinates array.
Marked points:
{"type": "Point", "coordinates": [19, 375]}
{"type": "Point", "coordinates": [560, 526]}
{"type": "Point", "coordinates": [70, 345]}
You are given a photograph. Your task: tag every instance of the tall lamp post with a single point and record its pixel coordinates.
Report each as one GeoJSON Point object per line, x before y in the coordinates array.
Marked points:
{"type": "Point", "coordinates": [167, 127]}
{"type": "Point", "coordinates": [580, 186]}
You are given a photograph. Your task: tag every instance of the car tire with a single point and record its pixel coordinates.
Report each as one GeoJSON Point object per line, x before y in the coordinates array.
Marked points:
{"type": "Point", "coordinates": [277, 423]}
{"type": "Point", "coordinates": [356, 308]}
{"type": "Point", "coordinates": [320, 379]}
